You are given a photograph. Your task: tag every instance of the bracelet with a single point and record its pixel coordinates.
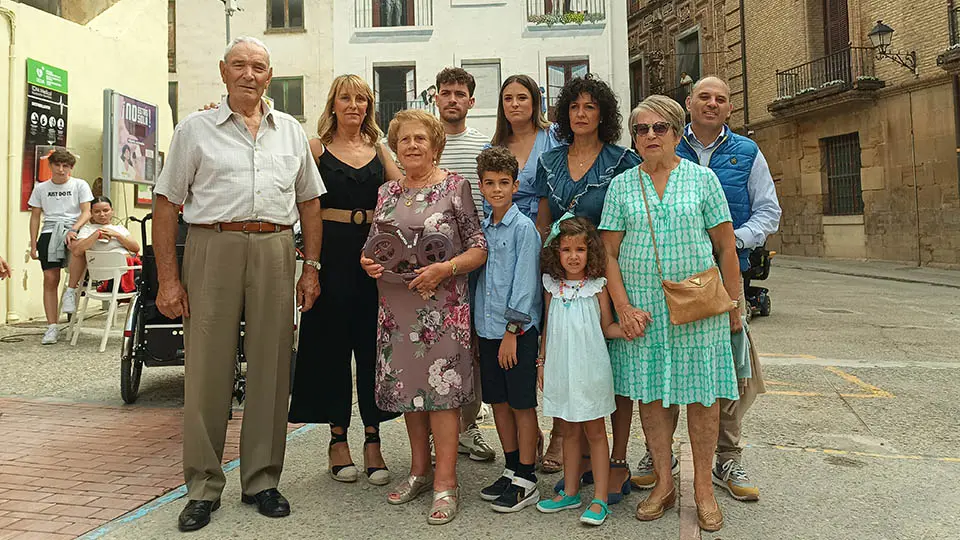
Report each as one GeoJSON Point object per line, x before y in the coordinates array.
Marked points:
{"type": "Point", "coordinates": [453, 268]}
{"type": "Point", "coordinates": [540, 361]}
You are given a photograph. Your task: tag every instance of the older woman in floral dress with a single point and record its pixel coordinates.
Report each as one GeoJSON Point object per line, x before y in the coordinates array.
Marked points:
{"type": "Point", "coordinates": [424, 363]}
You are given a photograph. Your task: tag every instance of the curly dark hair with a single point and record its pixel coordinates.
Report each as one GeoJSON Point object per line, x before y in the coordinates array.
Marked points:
{"type": "Point", "coordinates": [596, 252]}
{"type": "Point", "coordinates": [610, 117]}
{"type": "Point", "coordinates": [455, 75]}
{"type": "Point", "coordinates": [497, 159]}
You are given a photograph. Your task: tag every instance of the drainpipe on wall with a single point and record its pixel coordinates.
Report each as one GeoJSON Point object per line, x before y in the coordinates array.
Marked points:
{"type": "Point", "coordinates": [11, 169]}
{"type": "Point", "coordinates": [743, 71]}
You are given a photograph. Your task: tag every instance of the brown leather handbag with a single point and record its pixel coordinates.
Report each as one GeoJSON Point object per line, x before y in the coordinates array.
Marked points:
{"type": "Point", "coordinates": [699, 296]}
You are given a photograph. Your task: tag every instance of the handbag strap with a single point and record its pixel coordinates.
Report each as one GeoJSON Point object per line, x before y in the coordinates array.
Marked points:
{"type": "Point", "coordinates": [646, 205]}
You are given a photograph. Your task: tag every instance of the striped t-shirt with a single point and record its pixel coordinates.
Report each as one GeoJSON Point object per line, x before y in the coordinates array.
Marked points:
{"type": "Point", "coordinates": [460, 156]}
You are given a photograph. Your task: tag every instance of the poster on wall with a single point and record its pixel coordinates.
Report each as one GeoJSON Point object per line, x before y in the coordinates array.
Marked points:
{"type": "Point", "coordinates": [143, 193]}
{"type": "Point", "coordinates": [45, 121]}
{"type": "Point", "coordinates": [134, 141]}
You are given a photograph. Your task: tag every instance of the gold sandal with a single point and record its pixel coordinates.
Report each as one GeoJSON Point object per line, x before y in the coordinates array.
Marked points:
{"type": "Point", "coordinates": [552, 460]}
{"type": "Point", "coordinates": [409, 489]}
{"type": "Point", "coordinates": [446, 503]}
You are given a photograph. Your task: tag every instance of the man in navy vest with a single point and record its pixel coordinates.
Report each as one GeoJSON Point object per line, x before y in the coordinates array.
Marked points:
{"type": "Point", "coordinates": [752, 197]}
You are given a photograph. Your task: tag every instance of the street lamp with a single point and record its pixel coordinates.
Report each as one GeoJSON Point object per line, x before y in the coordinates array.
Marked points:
{"type": "Point", "coordinates": [229, 8]}
{"type": "Point", "coordinates": [881, 36]}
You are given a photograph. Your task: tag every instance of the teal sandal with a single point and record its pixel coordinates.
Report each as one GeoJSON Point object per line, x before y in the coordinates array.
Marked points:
{"type": "Point", "coordinates": [595, 518]}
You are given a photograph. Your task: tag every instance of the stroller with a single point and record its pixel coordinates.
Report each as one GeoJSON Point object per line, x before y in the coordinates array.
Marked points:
{"type": "Point", "coordinates": [758, 297]}
{"type": "Point", "coordinates": [151, 339]}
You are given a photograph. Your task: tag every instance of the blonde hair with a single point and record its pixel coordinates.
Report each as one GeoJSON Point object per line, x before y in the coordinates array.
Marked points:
{"type": "Point", "coordinates": [434, 129]}
{"type": "Point", "coordinates": [327, 124]}
{"type": "Point", "coordinates": [664, 107]}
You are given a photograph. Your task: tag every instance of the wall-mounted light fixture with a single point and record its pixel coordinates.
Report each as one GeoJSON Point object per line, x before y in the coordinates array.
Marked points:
{"type": "Point", "coordinates": [880, 37]}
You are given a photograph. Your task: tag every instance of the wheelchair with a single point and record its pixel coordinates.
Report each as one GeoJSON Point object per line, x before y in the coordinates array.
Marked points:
{"type": "Point", "coordinates": [150, 339]}
{"type": "Point", "coordinates": [758, 298]}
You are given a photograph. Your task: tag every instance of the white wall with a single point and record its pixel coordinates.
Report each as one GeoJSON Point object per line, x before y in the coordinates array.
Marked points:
{"type": "Point", "coordinates": [465, 30]}
{"type": "Point", "coordinates": [201, 38]}
{"type": "Point", "coordinates": [123, 48]}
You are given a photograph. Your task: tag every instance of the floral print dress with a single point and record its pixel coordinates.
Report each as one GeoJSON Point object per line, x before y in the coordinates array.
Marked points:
{"type": "Point", "coordinates": [424, 361]}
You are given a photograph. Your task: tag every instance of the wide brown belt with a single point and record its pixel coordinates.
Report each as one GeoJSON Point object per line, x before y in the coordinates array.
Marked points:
{"type": "Point", "coordinates": [244, 226]}
{"type": "Point", "coordinates": [357, 216]}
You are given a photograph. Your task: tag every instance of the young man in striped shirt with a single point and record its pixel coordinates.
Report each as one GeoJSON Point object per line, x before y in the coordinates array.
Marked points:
{"type": "Point", "coordinates": [454, 99]}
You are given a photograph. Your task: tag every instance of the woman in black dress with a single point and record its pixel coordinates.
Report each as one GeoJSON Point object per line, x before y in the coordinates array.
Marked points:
{"type": "Point", "coordinates": [343, 323]}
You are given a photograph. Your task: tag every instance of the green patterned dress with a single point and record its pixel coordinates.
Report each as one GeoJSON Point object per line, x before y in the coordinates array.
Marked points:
{"type": "Point", "coordinates": [691, 363]}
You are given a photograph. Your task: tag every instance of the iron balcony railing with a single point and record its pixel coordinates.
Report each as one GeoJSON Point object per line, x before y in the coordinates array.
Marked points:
{"type": "Point", "coordinates": [843, 68]}
{"type": "Point", "coordinates": [386, 110]}
{"type": "Point", "coordinates": [562, 12]}
{"type": "Point", "coordinates": [392, 13]}
{"type": "Point", "coordinates": [954, 23]}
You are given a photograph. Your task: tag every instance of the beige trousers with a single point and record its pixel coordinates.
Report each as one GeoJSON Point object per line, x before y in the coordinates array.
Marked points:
{"type": "Point", "coordinates": [229, 275]}
{"type": "Point", "coordinates": [733, 411]}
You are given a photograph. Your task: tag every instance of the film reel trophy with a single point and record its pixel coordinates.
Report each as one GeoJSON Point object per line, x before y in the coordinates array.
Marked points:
{"type": "Point", "coordinates": [389, 249]}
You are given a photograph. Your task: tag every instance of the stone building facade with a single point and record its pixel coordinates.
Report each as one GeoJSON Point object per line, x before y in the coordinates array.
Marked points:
{"type": "Point", "coordinates": [862, 148]}
{"type": "Point", "coordinates": [672, 43]}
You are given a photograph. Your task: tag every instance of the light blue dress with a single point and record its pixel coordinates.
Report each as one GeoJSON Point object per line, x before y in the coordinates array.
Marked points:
{"type": "Point", "coordinates": [577, 377]}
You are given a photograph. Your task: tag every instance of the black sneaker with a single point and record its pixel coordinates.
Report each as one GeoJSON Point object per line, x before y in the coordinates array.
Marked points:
{"type": "Point", "coordinates": [520, 494]}
{"type": "Point", "coordinates": [494, 490]}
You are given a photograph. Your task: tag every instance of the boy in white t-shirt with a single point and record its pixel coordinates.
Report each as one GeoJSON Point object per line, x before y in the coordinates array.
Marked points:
{"type": "Point", "coordinates": [64, 202]}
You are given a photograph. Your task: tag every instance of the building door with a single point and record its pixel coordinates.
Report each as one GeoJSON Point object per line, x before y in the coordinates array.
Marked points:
{"type": "Point", "coordinates": [688, 66]}
{"type": "Point", "coordinates": [558, 74]}
{"type": "Point", "coordinates": [395, 89]}
{"type": "Point", "coordinates": [836, 64]}
{"type": "Point", "coordinates": [836, 26]}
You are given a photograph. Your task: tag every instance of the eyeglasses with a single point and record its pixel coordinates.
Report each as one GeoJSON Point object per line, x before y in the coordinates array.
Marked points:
{"type": "Point", "coordinates": [659, 129]}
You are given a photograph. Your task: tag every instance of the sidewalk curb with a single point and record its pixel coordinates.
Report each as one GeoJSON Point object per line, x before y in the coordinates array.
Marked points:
{"type": "Point", "coordinates": [689, 526]}
{"type": "Point", "coordinates": [843, 272]}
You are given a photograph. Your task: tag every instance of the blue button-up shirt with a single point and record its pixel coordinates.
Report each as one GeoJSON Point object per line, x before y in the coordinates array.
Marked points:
{"type": "Point", "coordinates": [508, 289]}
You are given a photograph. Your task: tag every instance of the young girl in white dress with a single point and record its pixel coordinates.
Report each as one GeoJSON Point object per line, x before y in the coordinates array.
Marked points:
{"type": "Point", "coordinates": [574, 368]}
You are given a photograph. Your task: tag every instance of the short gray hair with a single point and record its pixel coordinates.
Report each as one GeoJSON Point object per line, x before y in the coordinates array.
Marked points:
{"type": "Point", "coordinates": [664, 107]}
{"type": "Point", "coordinates": [246, 39]}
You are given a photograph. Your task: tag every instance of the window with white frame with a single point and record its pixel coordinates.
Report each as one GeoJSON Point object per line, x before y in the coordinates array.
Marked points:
{"type": "Point", "coordinates": [486, 73]}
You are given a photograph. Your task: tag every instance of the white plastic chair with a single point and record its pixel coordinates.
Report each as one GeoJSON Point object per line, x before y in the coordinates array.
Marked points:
{"type": "Point", "coordinates": [101, 266]}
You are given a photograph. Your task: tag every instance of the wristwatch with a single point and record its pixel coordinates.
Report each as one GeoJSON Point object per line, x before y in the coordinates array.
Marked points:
{"type": "Point", "coordinates": [315, 264]}
{"type": "Point", "coordinates": [515, 328]}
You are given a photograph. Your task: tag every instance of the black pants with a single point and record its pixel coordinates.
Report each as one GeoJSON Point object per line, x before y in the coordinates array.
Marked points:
{"type": "Point", "coordinates": [332, 333]}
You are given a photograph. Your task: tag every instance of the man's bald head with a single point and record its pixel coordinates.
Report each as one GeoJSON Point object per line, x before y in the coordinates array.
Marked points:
{"type": "Point", "coordinates": [709, 105]}
{"type": "Point", "coordinates": [711, 81]}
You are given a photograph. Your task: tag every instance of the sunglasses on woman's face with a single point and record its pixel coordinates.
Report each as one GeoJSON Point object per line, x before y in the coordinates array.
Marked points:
{"type": "Point", "coordinates": [659, 129]}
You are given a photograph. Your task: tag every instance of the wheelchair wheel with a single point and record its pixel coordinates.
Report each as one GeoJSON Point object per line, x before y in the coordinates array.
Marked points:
{"type": "Point", "coordinates": [131, 364]}
{"type": "Point", "coordinates": [765, 306]}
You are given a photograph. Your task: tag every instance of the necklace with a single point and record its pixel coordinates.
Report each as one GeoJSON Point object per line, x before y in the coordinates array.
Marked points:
{"type": "Point", "coordinates": [418, 192]}
{"type": "Point", "coordinates": [576, 289]}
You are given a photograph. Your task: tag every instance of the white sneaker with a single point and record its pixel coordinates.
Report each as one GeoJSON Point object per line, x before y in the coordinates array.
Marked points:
{"type": "Point", "coordinates": [51, 335]}
{"type": "Point", "coordinates": [471, 442]}
{"type": "Point", "coordinates": [69, 301]}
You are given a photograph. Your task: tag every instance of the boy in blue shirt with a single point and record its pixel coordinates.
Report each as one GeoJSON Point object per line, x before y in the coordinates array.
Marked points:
{"type": "Point", "coordinates": [507, 318]}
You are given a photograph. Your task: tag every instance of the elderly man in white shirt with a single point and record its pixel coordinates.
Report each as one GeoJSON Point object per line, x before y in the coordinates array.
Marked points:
{"type": "Point", "coordinates": [752, 197]}
{"type": "Point", "coordinates": [244, 175]}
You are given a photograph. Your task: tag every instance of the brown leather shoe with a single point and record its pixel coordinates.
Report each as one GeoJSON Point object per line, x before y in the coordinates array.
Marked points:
{"type": "Point", "coordinates": [711, 521]}
{"type": "Point", "coordinates": [651, 509]}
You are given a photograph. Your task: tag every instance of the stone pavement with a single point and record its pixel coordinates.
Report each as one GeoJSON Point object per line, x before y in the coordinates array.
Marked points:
{"type": "Point", "coordinates": [856, 437]}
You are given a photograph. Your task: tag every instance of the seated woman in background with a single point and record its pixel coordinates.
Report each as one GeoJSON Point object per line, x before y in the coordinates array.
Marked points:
{"type": "Point", "coordinates": [101, 234]}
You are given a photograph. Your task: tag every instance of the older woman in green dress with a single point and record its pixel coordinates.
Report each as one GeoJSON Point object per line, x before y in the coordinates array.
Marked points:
{"type": "Point", "coordinates": [671, 365]}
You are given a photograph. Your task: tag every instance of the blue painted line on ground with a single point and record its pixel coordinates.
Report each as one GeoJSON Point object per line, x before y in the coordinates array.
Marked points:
{"type": "Point", "coordinates": [170, 497]}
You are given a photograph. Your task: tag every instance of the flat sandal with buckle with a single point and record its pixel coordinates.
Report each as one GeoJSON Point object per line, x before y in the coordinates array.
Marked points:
{"type": "Point", "coordinates": [409, 489]}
